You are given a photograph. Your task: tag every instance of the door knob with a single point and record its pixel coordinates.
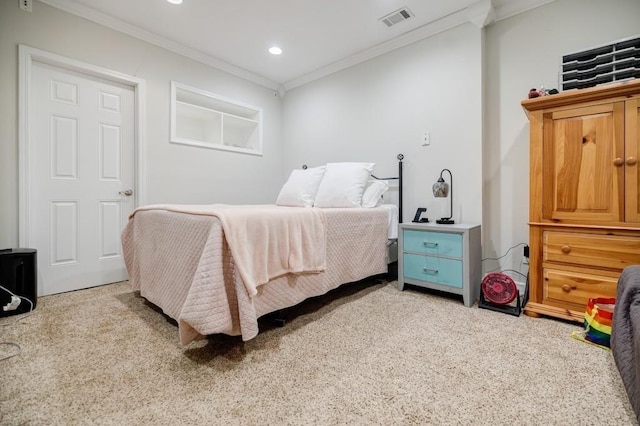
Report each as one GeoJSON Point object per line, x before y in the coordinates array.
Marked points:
{"type": "Point", "coordinates": [127, 192]}
{"type": "Point", "coordinates": [631, 161]}
{"type": "Point", "coordinates": [618, 162]}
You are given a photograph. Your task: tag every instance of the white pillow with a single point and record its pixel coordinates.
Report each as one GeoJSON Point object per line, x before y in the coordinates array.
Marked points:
{"type": "Point", "coordinates": [301, 187]}
{"type": "Point", "coordinates": [343, 184]}
{"type": "Point", "coordinates": [372, 196]}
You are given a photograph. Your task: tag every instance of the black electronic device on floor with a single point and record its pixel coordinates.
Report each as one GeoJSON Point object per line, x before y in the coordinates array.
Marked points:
{"type": "Point", "coordinates": [18, 275]}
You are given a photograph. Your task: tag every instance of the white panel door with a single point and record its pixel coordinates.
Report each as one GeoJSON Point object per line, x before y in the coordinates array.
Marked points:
{"type": "Point", "coordinates": [81, 164]}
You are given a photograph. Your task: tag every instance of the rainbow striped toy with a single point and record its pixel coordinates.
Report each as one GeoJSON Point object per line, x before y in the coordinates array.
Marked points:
{"type": "Point", "coordinates": [597, 320]}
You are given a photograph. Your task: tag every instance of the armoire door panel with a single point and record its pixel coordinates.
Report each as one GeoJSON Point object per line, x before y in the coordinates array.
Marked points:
{"type": "Point", "coordinates": [632, 166]}
{"type": "Point", "coordinates": [584, 182]}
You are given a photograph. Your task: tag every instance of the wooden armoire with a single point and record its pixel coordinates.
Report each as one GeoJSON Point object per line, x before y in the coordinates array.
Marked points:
{"type": "Point", "coordinates": [584, 208]}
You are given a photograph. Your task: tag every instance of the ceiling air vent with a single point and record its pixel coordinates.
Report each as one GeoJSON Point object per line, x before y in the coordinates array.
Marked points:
{"type": "Point", "coordinates": [397, 16]}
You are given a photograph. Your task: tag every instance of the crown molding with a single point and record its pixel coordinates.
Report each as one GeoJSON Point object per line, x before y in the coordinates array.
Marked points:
{"type": "Point", "coordinates": [133, 31]}
{"type": "Point", "coordinates": [481, 13]}
{"type": "Point", "coordinates": [516, 7]}
{"type": "Point", "coordinates": [443, 24]}
{"type": "Point", "coordinates": [452, 20]}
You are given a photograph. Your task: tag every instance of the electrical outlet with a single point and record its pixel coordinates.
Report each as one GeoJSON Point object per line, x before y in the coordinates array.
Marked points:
{"type": "Point", "coordinates": [26, 5]}
{"type": "Point", "coordinates": [525, 255]}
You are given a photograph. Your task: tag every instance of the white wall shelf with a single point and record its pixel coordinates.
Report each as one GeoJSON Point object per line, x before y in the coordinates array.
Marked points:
{"type": "Point", "coordinates": [207, 120]}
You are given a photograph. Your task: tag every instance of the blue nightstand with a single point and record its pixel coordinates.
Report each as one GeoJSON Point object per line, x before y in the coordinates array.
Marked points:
{"type": "Point", "coordinates": [441, 257]}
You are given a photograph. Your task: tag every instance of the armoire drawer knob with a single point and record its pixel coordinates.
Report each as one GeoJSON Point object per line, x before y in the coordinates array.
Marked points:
{"type": "Point", "coordinates": [567, 288]}
{"type": "Point", "coordinates": [566, 249]}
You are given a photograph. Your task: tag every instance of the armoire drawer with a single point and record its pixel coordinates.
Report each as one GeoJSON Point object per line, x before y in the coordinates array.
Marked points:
{"type": "Point", "coordinates": [568, 286]}
{"type": "Point", "coordinates": [606, 251]}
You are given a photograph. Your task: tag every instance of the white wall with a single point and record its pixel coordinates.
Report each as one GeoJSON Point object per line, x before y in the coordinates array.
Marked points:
{"type": "Point", "coordinates": [382, 107]}
{"type": "Point", "coordinates": [175, 173]}
{"type": "Point", "coordinates": [369, 112]}
{"type": "Point", "coordinates": [522, 52]}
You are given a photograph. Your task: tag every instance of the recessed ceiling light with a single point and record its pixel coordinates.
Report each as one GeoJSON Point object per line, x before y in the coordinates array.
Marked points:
{"type": "Point", "coordinates": [275, 50]}
{"type": "Point", "coordinates": [175, 1]}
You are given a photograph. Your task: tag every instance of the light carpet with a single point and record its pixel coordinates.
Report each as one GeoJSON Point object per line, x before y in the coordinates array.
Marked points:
{"type": "Point", "coordinates": [364, 354]}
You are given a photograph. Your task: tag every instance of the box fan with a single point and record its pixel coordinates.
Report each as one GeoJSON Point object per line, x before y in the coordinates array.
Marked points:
{"type": "Point", "coordinates": [498, 292]}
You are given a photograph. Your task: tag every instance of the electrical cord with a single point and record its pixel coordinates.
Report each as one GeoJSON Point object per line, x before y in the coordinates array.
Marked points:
{"type": "Point", "coordinates": [15, 322]}
{"type": "Point", "coordinates": [11, 344]}
{"type": "Point", "coordinates": [503, 270]}
{"type": "Point", "coordinates": [515, 272]}
{"type": "Point", "coordinates": [22, 317]}
{"type": "Point", "coordinates": [504, 255]}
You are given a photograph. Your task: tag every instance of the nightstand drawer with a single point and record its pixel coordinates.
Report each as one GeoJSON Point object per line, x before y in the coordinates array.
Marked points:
{"type": "Point", "coordinates": [436, 243]}
{"type": "Point", "coordinates": [433, 269]}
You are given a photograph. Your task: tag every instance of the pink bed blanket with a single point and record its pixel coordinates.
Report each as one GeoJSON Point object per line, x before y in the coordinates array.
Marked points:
{"type": "Point", "coordinates": [266, 241]}
{"type": "Point", "coordinates": [181, 262]}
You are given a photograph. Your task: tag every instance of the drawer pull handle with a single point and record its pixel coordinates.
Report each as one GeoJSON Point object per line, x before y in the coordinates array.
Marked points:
{"type": "Point", "coordinates": [618, 162]}
{"type": "Point", "coordinates": [631, 161]}
{"type": "Point", "coordinates": [430, 244]}
{"type": "Point", "coordinates": [567, 288]}
{"type": "Point", "coordinates": [566, 249]}
{"type": "Point", "coordinates": [432, 271]}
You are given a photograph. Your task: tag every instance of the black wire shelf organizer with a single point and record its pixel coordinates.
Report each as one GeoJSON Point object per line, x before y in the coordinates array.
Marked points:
{"type": "Point", "coordinates": [613, 62]}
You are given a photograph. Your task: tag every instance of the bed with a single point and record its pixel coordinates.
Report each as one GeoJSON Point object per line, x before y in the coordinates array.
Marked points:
{"type": "Point", "coordinates": [625, 333]}
{"type": "Point", "coordinates": [191, 262]}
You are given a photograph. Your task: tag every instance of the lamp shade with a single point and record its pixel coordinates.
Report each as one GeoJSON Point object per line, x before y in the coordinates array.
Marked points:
{"type": "Point", "coordinates": [440, 188]}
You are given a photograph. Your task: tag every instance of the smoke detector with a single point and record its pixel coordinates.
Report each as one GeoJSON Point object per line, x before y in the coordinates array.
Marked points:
{"type": "Point", "coordinates": [396, 17]}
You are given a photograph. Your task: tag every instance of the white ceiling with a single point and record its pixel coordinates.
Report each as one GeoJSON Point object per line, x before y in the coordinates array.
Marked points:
{"type": "Point", "coordinates": [317, 36]}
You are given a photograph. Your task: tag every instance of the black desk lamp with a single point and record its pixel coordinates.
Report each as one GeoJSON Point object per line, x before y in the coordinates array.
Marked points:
{"type": "Point", "coordinates": [441, 190]}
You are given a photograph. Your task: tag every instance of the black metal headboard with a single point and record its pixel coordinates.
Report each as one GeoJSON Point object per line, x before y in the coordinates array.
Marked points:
{"type": "Point", "coordinates": [400, 157]}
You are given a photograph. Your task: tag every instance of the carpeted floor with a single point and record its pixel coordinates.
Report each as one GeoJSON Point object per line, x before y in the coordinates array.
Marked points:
{"type": "Point", "coordinates": [364, 354]}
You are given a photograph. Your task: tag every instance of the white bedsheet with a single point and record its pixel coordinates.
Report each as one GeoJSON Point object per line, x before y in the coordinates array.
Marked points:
{"type": "Point", "coordinates": [392, 227]}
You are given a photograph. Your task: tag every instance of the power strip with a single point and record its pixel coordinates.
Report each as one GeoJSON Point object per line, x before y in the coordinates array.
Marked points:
{"type": "Point", "coordinates": [13, 305]}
